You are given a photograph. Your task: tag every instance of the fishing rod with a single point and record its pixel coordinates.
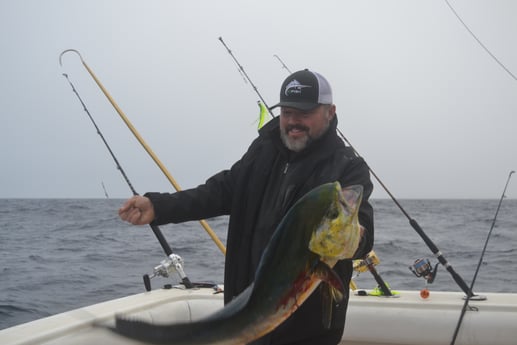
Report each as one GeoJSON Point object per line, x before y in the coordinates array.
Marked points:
{"type": "Point", "coordinates": [147, 148]}
{"type": "Point", "coordinates": [383, 286]}
{"type": "Point", "coordinates": [105, 192]}
{"type": "Point", "coordinates": [174, 259]}
{"type": "Point", "coordinates": [243, 72]}
{"type": "Point", "coordinates": [464, 309]}
{"type": "Point", "coordinates": [283, 64]}
{"type": "Point", "coordinates": [414, 224]}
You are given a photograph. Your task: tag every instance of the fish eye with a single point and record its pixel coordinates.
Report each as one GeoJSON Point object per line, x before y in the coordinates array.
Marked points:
{"type": "Point", "coordinates": [333, 213]}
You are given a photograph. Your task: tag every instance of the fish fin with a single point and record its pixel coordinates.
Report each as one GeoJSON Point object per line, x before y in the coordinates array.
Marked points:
{"type": "Point", "coordinates": [332, 290]}
{"type": "Point", "coordinates": [326, 305]}
{"type": "Point", "coordinates": [353, 196]}
{"type": "Point", "coordinates": [335, 285]}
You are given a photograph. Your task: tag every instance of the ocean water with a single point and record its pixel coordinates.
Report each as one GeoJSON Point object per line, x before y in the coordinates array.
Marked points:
{"type": "Point", "coordinates": [61, 254]}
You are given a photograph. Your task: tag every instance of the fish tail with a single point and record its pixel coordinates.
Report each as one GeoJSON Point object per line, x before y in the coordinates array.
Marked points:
{"type": "Point", "coordinates": [155, 334]}
{"type": "Point", "coordinates": [227, 330]}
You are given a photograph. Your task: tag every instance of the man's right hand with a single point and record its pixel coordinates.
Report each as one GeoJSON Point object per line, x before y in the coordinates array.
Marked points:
{"type": "Point", "coordinates": [138, 210]}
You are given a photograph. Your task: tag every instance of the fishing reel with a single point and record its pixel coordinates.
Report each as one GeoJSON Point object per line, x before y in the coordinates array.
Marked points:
{"type": "Point", "coordinates": [173, 263]}
{"type": "Point", "coordinates": [368, 264]}
{"type": "Point", "coordinates": [423, 268]}
{"type": "Point", "coordinates": [361, 265]}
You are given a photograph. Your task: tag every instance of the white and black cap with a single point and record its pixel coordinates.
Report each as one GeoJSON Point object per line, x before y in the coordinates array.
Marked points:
{"type": "Point", "coordinates": [304, 90]}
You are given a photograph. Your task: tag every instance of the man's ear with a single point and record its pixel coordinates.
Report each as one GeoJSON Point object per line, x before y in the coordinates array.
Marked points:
{"type": "Point", "coordinates": [332, 111]}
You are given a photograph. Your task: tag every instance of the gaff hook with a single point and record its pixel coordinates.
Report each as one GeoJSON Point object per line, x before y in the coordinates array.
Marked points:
{"type": "Point", "coordinates": [66, 51]}
{"type": "Point", "coordinates": [163, 242]}
{"type": "Point", "coordinates": [137, 135]}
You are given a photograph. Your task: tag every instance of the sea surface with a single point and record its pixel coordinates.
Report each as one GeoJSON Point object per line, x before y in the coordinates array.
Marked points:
{"type": "Point", "coordinates": [61, 254]}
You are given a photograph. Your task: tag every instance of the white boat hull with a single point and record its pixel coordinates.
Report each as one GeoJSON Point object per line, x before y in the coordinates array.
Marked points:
{"type": "Point", "coordinates": [407, 319]}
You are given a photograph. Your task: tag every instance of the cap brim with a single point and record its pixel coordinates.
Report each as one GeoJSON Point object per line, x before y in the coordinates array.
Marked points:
{"type": "Point", "coordinates": [296, 105]}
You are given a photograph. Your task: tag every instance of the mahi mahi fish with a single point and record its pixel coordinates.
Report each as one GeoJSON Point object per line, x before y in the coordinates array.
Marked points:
{"type": "Point", "coordinates": [320, 229]}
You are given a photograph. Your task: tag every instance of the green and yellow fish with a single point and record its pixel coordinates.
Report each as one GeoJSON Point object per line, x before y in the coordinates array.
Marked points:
{"type": "Point", "coordinates": [320, 229]}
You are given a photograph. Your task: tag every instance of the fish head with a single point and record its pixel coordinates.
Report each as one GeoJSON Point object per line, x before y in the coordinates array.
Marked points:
{"type": "Point", "coordinates": [338, 233]}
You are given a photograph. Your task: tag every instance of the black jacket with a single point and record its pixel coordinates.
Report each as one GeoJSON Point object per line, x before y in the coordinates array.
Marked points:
{"type": "Point", "coordinates": [256, 192]}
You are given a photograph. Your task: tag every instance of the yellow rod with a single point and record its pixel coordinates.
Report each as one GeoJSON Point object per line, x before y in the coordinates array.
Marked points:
{"type": "Point", "coordinates": [141, 140]}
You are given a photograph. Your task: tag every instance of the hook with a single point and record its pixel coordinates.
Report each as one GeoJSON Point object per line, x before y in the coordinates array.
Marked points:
{"type": "Point", "coordinates": [66, 51]}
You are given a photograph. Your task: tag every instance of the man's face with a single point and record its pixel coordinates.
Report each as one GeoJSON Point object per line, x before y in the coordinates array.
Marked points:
{"type": "Point", "coordinates": [298, 128]}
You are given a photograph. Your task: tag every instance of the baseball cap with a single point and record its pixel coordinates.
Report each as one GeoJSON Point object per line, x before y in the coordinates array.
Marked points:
{"type": "Point", "coordinates": [304, 90]}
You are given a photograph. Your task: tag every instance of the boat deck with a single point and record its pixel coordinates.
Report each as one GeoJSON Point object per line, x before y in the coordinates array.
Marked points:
{"type": "Point", "coordinates": [406, 319]}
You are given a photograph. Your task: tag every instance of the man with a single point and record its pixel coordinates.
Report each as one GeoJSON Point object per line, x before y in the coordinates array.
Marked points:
{"type": "Point", "coordinates": [293, 154]}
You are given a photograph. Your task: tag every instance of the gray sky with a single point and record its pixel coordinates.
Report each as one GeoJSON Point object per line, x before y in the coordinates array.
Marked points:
{"type": "Point", "coordinates": [430, 111]}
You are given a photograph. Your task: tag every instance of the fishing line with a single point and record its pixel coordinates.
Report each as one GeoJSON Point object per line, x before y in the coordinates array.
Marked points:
{"type": "Point", "coordinates": [414, 224]}
{"type": "Point", "coordinates": [146, 147]}
{"type": "Point", "coordinates": [464, 309]}
{"type": "Point", "coordinates": [480, 43]}
{"type": "Point", "coordinates": [156, 230]}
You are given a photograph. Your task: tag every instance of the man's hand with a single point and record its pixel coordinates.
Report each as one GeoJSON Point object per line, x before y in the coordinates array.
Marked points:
{"type": "Point", "coordinates": [138, 210]}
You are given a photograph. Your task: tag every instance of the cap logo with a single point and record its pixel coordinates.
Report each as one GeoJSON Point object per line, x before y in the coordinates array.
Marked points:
{"type": "Point", "coordinates": [294, 88]}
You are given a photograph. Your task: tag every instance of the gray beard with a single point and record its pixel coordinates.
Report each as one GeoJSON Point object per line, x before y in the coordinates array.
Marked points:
{"type": "Point", "coordinates": [295, 145]}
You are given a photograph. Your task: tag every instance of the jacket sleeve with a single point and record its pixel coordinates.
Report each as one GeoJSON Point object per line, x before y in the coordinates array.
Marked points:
{"type": "Point", "coordinates": [211, 199]}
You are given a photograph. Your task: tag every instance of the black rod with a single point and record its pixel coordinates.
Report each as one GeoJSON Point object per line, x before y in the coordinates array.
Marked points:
{"type": "Point", "coordinates": [246, 75]}
{"type": "Point", "coordinates": [414, 224]}
{"type": "Point", "coordinates": [156, 230]}
{"type": "Point", "coordinates": [464, 309]}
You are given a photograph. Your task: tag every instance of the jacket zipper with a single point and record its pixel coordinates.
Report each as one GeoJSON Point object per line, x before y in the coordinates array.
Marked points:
{"type": "Point", "coordinates": [286, 168]}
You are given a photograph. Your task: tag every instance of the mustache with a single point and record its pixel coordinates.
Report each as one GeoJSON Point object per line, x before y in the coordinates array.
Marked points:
{"type": "Point", "coordinates": [297, 127]}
